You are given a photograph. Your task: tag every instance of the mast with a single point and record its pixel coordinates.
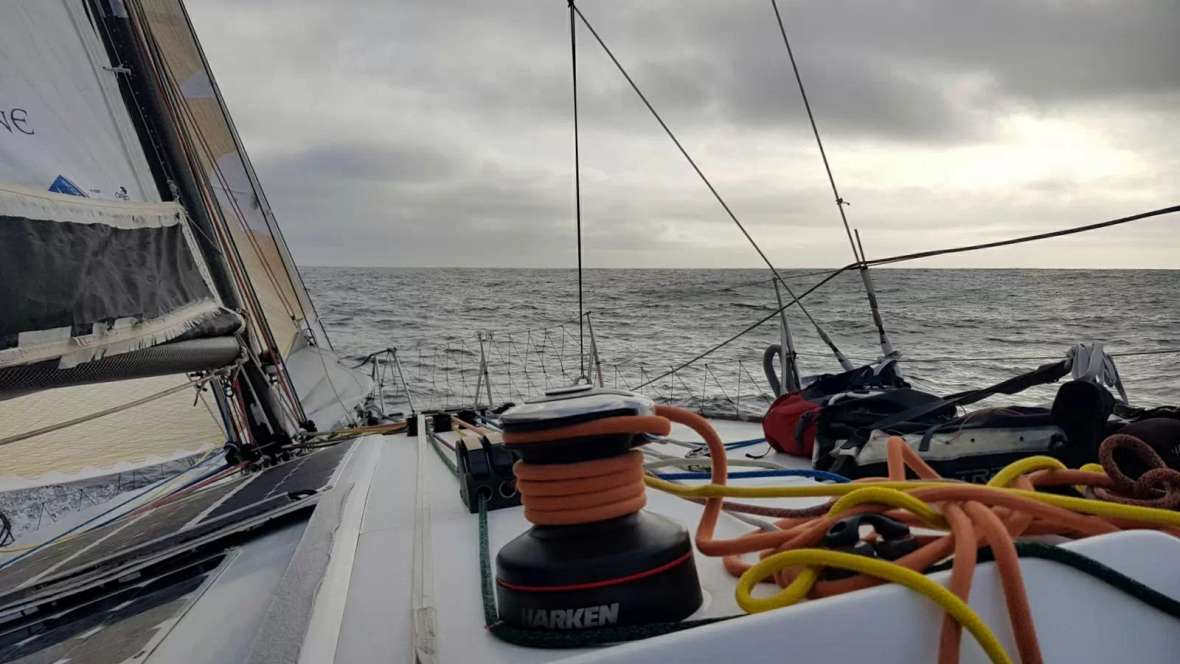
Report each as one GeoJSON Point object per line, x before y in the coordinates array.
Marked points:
{"type": "Point", "coordinates": [128, 41]}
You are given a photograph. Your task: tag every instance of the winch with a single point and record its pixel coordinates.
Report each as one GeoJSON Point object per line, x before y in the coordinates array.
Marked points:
{"type": "Point", "coordinates": [593, 557]}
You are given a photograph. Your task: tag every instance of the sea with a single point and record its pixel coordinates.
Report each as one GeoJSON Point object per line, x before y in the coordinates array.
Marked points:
{"type": "Point", "coordinates": [955, 329]}
{"type": "Point", "coordinates": [512, 334]}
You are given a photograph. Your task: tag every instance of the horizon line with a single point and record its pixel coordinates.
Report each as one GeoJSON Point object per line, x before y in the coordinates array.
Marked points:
{"type": "Point", "coordinates": [757, 268]}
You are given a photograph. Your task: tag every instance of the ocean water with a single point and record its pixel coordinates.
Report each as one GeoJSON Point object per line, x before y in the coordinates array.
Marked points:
{"type": "Point", "coordinates": [956, 329]}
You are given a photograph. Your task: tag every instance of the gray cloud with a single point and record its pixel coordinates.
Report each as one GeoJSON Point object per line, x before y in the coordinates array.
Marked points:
{"type": "Point", "coordinates": [381, 162]}
{"type": "Point", "coordinates": [439, 132]}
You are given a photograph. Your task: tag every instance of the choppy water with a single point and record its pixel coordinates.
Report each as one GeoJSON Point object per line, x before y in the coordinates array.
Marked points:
{"type": "Point", "coordinates": [646, 321]}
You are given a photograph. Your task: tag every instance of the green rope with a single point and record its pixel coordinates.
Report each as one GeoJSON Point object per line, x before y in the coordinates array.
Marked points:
{"type": "Point", "coordinates": [532, 638]}
{"type": "Point", "coordinates": [490, 616]}
{"type": "Point", "coordinates": [450, 463]}
{"type": "Point", "coordinates": [1086, 565]}
{"type": "Point", "coordinates": [1109, 575]}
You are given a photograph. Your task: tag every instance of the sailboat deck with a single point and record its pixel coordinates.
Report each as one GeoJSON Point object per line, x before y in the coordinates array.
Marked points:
{"type": "Point", "coordinates": [403, 496]}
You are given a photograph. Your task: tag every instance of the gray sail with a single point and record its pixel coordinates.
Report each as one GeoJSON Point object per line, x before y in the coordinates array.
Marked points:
{"type": "Point", "coordinates": [82, 279]}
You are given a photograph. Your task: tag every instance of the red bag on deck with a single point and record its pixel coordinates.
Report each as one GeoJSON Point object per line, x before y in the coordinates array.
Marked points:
{"type": "Point", "coordinates": [789, 424]}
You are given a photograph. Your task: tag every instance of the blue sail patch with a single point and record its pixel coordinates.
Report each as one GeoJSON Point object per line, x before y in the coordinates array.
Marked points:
{"type": "Point", "coordinates": [63, 185]}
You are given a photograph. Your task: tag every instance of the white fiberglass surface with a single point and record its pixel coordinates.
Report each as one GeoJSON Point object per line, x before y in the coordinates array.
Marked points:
{"type": "Point", "coordinates": [886, 624]}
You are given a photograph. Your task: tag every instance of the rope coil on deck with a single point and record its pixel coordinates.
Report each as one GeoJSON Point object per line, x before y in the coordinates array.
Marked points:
{"type": "Point", "coordinates": [565, 494]}
{"type": "Point", "coordinates": [971, 516]}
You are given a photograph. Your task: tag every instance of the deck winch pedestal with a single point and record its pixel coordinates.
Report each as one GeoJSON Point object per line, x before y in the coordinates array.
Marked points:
{"type": "Point", "coordinates": [594, 557]}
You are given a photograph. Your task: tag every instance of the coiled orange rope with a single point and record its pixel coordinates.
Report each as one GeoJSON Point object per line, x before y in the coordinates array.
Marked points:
{"type": "Point", "coordinates": [565, 494]}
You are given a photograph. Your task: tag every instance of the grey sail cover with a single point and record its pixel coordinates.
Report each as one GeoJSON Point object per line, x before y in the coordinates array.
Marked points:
{"type": "Point", "coordinates": [82, 279]}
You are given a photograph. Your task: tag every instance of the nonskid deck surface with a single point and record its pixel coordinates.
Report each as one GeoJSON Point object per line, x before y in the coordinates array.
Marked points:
{"type": "Point", "coordinates": [380, 597]}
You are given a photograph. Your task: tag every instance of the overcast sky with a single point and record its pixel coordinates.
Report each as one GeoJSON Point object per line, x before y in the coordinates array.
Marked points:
{"type": "Point", "coordinates": [433, 132]}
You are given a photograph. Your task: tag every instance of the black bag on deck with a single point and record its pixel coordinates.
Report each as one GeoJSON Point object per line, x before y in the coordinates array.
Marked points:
{"type": "Point", "coordinates": [850, 421]}
{"type": "Point", "coordinates": [972, 447]}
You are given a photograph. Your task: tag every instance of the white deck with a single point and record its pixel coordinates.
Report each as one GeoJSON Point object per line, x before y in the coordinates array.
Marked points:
{"type": "Point", "coordinates": [396, 486]}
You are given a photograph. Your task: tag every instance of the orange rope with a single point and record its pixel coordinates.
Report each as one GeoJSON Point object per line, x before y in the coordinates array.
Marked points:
{"type": "Point", "coordinates": [975, 515]}
{"type": "Point", "coordinates": [564, 494]}
{"type": "Point", "coordinates": [572, 493]}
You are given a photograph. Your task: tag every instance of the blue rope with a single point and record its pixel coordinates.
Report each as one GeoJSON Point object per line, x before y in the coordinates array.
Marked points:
{"type": "Point", "coordinates": [744, 443]}
{"type": "Point", "coordinates": [750, 474]}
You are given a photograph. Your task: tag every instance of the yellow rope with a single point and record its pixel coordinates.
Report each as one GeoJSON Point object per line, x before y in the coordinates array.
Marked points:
{"type": "Point", "coordinates": [894, 493]}
{"type": "Point", "coordinates": [813, 558]}
{"type": "Point", "coordinates": [876, 495]}
{"type": "Point", "coordinates": [1145, 515]}
{"type": "Point", "coordinates": [1027, 465]}
{"type": "Point", "coordinates": [790, 491]}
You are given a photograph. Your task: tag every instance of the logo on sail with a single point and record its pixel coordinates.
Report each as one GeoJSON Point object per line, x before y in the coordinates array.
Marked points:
{"type": "Point", "coordinates": [63, 185]}
{"type": "Point", "coordinates": [16, 121]}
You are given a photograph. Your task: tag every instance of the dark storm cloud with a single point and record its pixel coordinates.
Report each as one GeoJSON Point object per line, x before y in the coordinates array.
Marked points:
{"type": "Point", "coordinates": [420, 132]}
{"type": "Point", "coordinates": [873, 67]}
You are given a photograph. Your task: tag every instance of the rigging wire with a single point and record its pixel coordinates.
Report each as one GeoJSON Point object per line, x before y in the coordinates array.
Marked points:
{"type": "Point", "coordinates": [179, 106]}
{"type": "Point", "coordinates": [197, 384]}
{"type": "Point", "coordinates": [914, 256]}
{"type": "Point", "coordinates": [743, 332]}
{"type": "Point", "coordinates": [622, 307]}
{"type": "Point", "coordinates": [171, 89]}
{"type": "Point", "coordinates": [840, 202]}
{"type": "Point", "coordinates": [276, 232]}
{"type": "Point", "coordinates": [577, 192]}
{"type": "Point", "coordinates": [1024, 238]}
{"type": "Point", "coordinates": [858, 252]}
{"type": "Point", "coordinates": [691, 162]}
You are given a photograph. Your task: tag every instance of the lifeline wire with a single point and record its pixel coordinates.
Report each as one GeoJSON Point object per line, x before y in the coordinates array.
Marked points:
{"type": "Point", "coordinates": [1024, 238]}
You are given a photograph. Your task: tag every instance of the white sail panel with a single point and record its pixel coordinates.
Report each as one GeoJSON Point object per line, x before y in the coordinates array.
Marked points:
{"type": "Point", "coordinates": [159, 428]}
{"type": "Point", "coordinates": [257, 241]}
{"type": "Point", "coordinates": [63, 124]}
